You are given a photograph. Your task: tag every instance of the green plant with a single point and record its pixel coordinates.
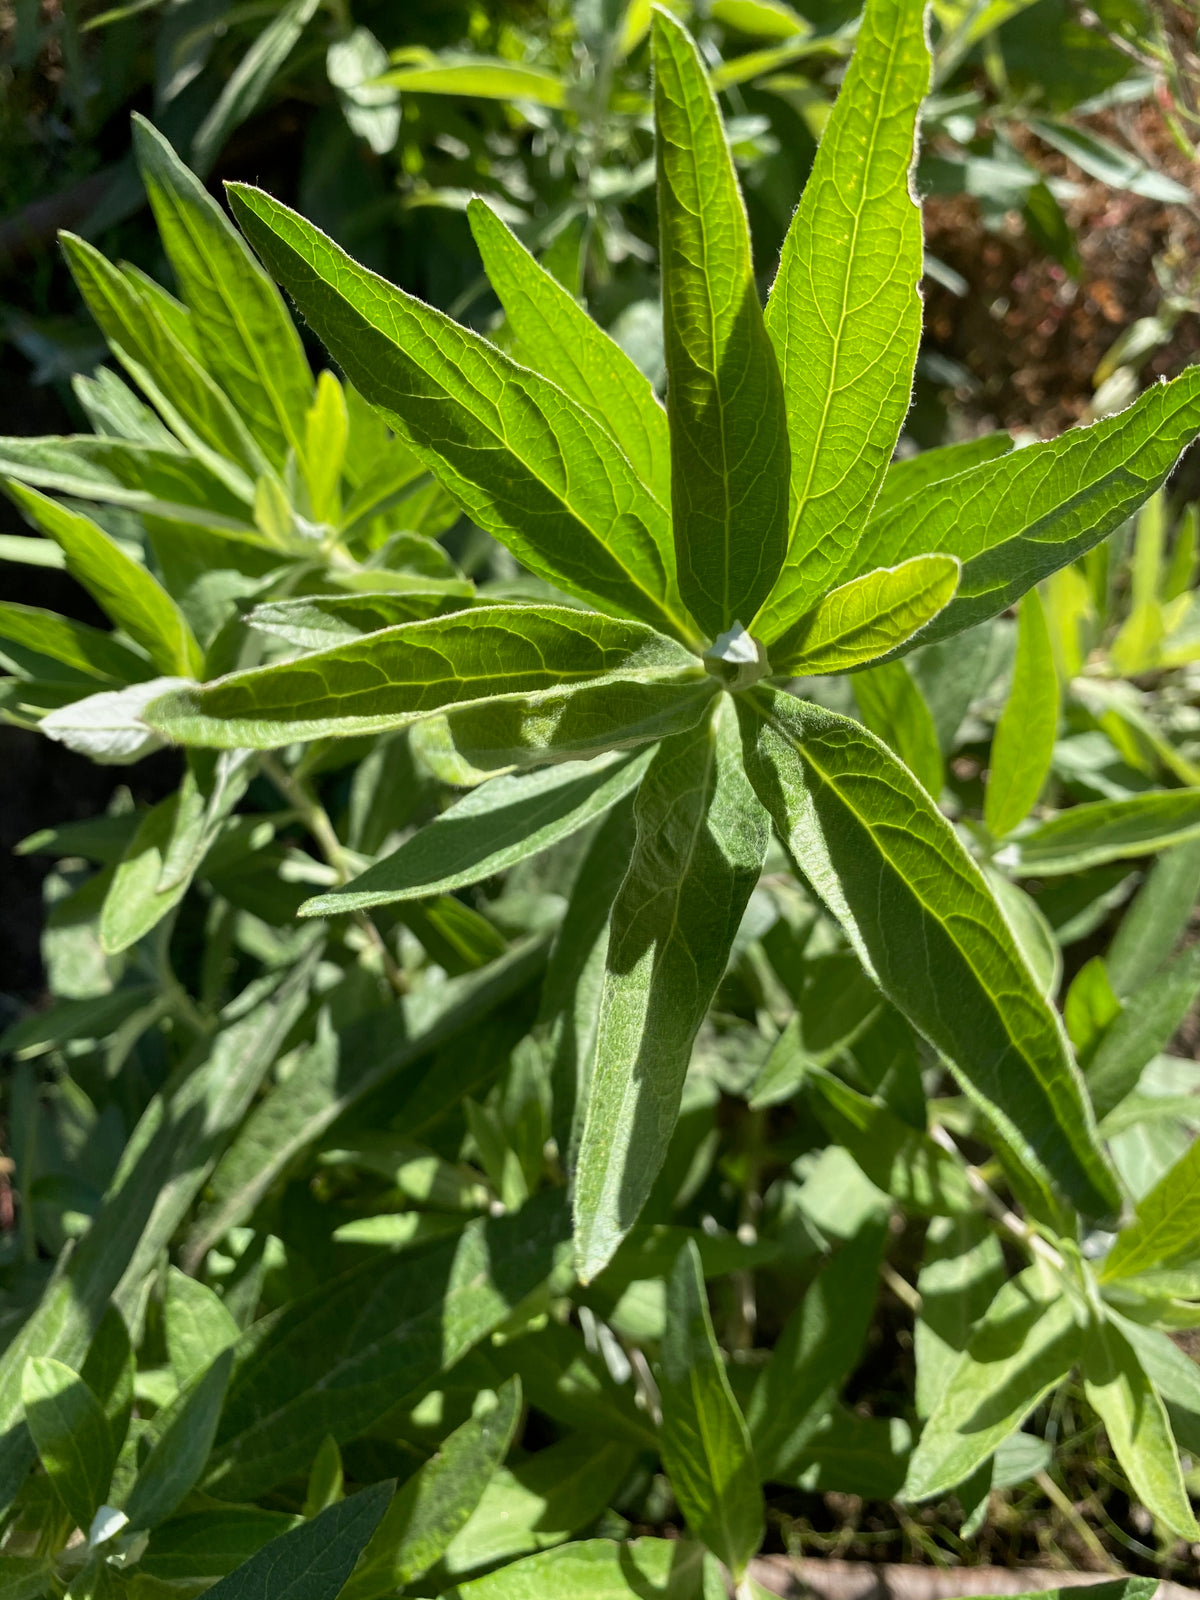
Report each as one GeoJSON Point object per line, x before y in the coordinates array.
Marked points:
{"type": "Point", "coordinates": [305, 1182]}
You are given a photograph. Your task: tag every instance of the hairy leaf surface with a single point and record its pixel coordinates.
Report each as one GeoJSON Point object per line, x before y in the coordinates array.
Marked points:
{"type": "Point", "coordinates": [866, 618]}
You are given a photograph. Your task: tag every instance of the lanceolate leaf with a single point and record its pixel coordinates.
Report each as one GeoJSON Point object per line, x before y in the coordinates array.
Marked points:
{"type": "Point", "coordinates": [1167, 1230]}
{"type": "Point", "coordinates": [866, 618]}
{"type": "Point", "coordinates": [184, 1436]}
{"type": "Point", "coordinates": [398, 675]}
{"type": "Point", "coordinates": [523, 459]}
{"type": "Point", "coordinates": [313, 1561]}
{"type": "Point", "coordinates": [729, 443]}
{"type": "Point", "coordinates": [705, 1442]}
{"type": "Point", "coordinates": [1146, 1025]}
{"type": "Point", "coordinates": [918, 912]}
{"type": "Point", "coordinates": [133, 599]}
{"type": "Point", "coordinates": [915, 474]}
{"type": "Point", "coordinates": [320, 620]}
{"type": "Point", "coordinates": [1105, 830]}
{"type": "Point", "coordinates": [249, 341]}
{"type": "Point", "coordinates": [596, 1569]}
{"type": "Point", "coordinates": [160, 362]}
{"type": "Point", "coordinates": [75, 644]}
{"type": "Point", "coordinates": [488, 830]}
{"type": "Point", "coordinates": [701, 840]}
{"type": "Point", "coordinates": [845, 314]}
{"type": "Point", "coordinates": [72, 1436]}
{"type": "Point", "coordinates": [1023, 743]}
{"type": "Point", "coordinates": [1135, 1421]}
{"type": "Point", "coordinates": [557, 337]}
{"type": "Point", "coordinates": [1026, 1344]}
{"type": "Point", "coordinates": [1014, 521]}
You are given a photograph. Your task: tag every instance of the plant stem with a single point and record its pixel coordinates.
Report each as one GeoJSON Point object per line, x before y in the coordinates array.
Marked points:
{"type": "Point", "coordinates": [995, 1207]}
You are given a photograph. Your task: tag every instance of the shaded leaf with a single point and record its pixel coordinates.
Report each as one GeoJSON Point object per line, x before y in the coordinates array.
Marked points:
{"type": "Point", "coordinates": [1023, 743]}
{"type": "Point", "coordinates": [72, 1436]}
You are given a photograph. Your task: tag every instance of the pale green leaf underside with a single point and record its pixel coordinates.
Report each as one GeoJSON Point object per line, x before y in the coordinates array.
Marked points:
{"type": "Point", "coordinates": [132, 597]}
{"type": "Point", "coordinates": [923, 921]}
{"type": "Point", "coordinates": [320, 620]}
{"type": "Point", "coordinates": [845, 314]}
{"type": "Point", "coordinates": [489, 830]}
{"type": "Point", "coordinates": [558, 338]}
{"type": "Point", "coordinates": [522, 458]}
{"type": "Point", "coordinates": [729, 444]}
{"type": "Point", "coordinates": [704, 1438]}
{"type": "Point", "coordinates": [1014, 521]}
{"type": "Point", "coordinates": [701, 839]}
{"type": "Point", "coordinates": [402, 674]}
{"type": "Point", "coordinates": [1105, 830]}
{"type": "Point", "coordinates": [249, 341]}
{"type": "Point", "coordinates": [866, 618]}
{"type": "Point", "coordinates": [1023, 744]}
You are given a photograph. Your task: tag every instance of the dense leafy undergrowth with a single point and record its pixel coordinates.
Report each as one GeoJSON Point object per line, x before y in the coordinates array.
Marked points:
{"type": "Point", "coordinates": [654, 1022]}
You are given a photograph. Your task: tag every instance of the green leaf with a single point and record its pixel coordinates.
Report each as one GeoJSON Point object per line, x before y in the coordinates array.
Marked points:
{"type": "Point", "coordinates": [729, 442]}
{"type": "Point", "coordinates": [399, 675]}
{"type": "Point", "coordinates": [962, 1269]}
{"type": "Point", "coordinates": [845, 313]}
{"type": "Point", "coordinates": [313, 1561]}
{"type": "Point", "coordinates": [75, 644]}
{"type": "Point", "coordinates": [1135, 1420]}
{"type": "Point", "coordinates": [1104, 830]}
{"type": "Point", "coordinates": [1023, 744]}
{"type": "Point", "coordinates": [1167, 1226]}
{"type": "Point", "coordinates": [1025, 1345]}
{"type": "Point", "coordinates": [915, 474]}
{"type": "Point", "coordinates": [1156, 919]}
{"type": "Point", "coordinates": [438, 1500]}
{"type": "Point", "coordinates": [337, 1071]}
{"type": "Point", "coordinates": [321, 620]}
{"type": "Point", "coordinates": [522, 459]}
{"type": "Point", "coordinates": [899, 1159]}
{"type": "Point", "coordinates": [326, 433]}
{"type": "Point", "coordinates": [560, 340]}
{"type": "Point", "coordinates": [594, 1569]}
{"type": "Point", "coordinates": [539, 1501]}
{"type": "Point", "coordinates": [866, 618]}
{"type": "Point", "coordinates": [338, 1359]}
{"type": "Point", "coordinates": [918, 912]}
{"type": "Point", "coordinates": [1014, 521]}
{"type": "Point", "coordinates": [1109, 163]}
{"type": "Point", "coordinates": [817, 1350]}
{"type": "Point", "coordinates": [249, 341]}
{"type": "Point", "coordinates": [1146, 1025]}
{"type": "Point", "coordinates": [256, 70]}
{"type": "Point", "coordinates": [132, 598]}
{"type": "Point", "coordinates": [209, 1544]}
{"type": "Point", "coordinates": [26, 1577]}
{"type": "Point", "coordinates": [149, 346]}
{"type": "Point", "coordinates": [489, 830]}
{"type": "Point", "coordinates": [701, 840]}
{"type": "Point", "coordinates": [482, 77]}
{"type": "Point", "coordinates": [134, 903]}
{"type": "Point", "coordinates": [199, 1327]}
{"type": "Point", "coordinates": [72, 1436]}
{"type": "Point", "coordinates": [893, 707]}
{"type": "Point", "coordinates": [108, 1372]}
{"type": "Point", "coordinates": [183, 1439]}
{"type": "Point", "coordinates": [704, 1438]}
{"type": "Point", "coordinates": [151, 480]}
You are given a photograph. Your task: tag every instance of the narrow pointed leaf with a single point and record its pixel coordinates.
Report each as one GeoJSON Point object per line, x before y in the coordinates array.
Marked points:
{"type": "Point", "coordinates": [704, 1439]}
{"type": "Point", "coordinates": [1147, 1024]}
{"type": "Point", "coordinates": [1167, 1226]}
{"type": "Point", "coordinates": [729, 445]}
{"type": "Point", "coordinates": [1014, 521]}
{"type": "Point", "coordinates": [320, 620]}
{"type": "Point", "coordinates": [134, 903]}
{"type": "Point", "coordinates": [1155, 921]}
{"type": "Point", "coordinates": [72, 1436]}
{"type": "Point", "coordinates": [915, 474]}
{"type": "Point", "coordinates": [437, 1501]}
{"type": "Point", "coordinates": [1023, 744]}
{"type": "Point", "coordinates": [489, 830]}
{"type": "Point", "coordinates": [701, 840]}
{"type": "Point", "coordinates": [249, 341]}
{"type": "Point", "coordinates": [1024, 1346]}
{"type": "Point", "coordinates": [161, 363]}
{"type": "Point", "coordinates": [866, 618]}
{"type": "Point", "coordinates": [184, 1437]}
{"type": "Point", "coordinates": [313, 1561]}
{"type": "Point", "coordinates": [131, 596]}
{"type": "Point", "coordinates": [522, 458]}
{"type": "Point", "coordinates": [1105, 830]}
{"type": "Point", "coordinates": [845, 313]}
{"type": "Point", "coordinates": [920, 916]}
{"type": "Point", "coordinates": [558, 338]}
{"type": "Point", "coordinates": [893, 707]}
{"type": "Point", "coordinates": [596, 1569]}
{"type": "Point", "coordinates": [1135, 1421]}
{"type": "Point", "coordinates": [398, 675]}
{"type": "Point", "coordinates": [75, 644]}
